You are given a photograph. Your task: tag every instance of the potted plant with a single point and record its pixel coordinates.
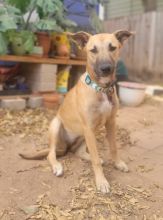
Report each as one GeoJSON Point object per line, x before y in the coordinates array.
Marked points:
{"type": "Point", "coordinates": [51, 19]}
{"type": "Point", "coordinates": [14, 38]}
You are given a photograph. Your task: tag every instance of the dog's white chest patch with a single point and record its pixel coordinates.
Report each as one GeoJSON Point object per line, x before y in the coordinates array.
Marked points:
{"type": "Point", "coordinates": [105, 105]}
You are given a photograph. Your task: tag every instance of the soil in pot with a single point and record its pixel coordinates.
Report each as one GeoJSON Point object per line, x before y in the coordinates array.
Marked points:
{"type": "Point", "coordinates": [44, 41]}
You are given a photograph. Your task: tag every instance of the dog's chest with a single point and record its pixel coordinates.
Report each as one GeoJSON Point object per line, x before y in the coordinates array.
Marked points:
{"type": "Point", "coordinates": [102, 105]}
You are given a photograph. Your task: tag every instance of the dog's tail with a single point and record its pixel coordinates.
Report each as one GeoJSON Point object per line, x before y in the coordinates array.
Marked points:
{"type": "Point", "coordinates": [35, 156]}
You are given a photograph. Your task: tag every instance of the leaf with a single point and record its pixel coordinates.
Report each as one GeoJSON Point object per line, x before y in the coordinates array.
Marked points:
{"type": "Point", "coordinates": [7, 23]}
{"type": "Point", "coordinates": [22, 5]}
{"type": "Point", "coordinates": [30, 210]}
{"type": "Point", "coordinates": [9, 18]}
{"type": "Point", "coordinates": [3, 45]}
{"type": "Point", "coordinates": [25, 38]}
{"type": "Point", "coordinates": [48, 25]}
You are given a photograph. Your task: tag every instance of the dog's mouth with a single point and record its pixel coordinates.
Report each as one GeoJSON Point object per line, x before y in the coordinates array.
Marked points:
{"type": "Point", "coordinates": [105, 79]}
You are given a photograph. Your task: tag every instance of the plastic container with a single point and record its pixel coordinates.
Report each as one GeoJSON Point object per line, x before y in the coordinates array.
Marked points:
{"type": "Point", "coordinates": [131, 94]}
{"type": "Point", "coordinates": [62, 79]}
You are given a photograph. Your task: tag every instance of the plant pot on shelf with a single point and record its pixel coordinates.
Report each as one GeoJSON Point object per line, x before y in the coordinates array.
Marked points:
{"type": "Point", "coordinates": [37, 51]}
{"type": "Point", "coordinates": [22, 42]}
{"type": "Point", "coordinates": [44, 41]}
{"type": "Point", "coordinates": [61, 45]}
{"type": "Point", "coordinates": [52, 100]}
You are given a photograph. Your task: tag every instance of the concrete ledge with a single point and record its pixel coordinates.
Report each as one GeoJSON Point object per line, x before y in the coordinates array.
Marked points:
{"type": "Point", "coordinates": [14, 104]}
{"type": "Point", "coordinates": [35, 102]}
{"type": "Point", "coordinates": [154, 90]}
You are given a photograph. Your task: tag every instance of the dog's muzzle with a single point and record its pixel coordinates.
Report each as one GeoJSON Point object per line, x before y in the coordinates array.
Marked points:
{"type": "Point", "coordinates": [104, 69]}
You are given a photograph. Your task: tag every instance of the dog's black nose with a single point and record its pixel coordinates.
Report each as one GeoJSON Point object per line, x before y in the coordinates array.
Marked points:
{"type": "Point", "coordinates": [106, 68]}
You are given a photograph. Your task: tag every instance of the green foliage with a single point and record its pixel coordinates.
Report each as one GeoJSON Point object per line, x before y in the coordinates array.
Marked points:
{"type": "Point", "coordinates": [10, 17]}
{"type": "Point", "coordinates": [3, 45]}
{"type": "Point", "coordinates": [21, 42]}
{"type": "Point", "coordinates": [51, 18]}
{"type": "Point", "coordinates": [48, 25]}
{"type": "Point", "coordinates": [48, 7]}
{"type": "Point", "coordinates": [11, 20]}
{"type": "Point", "coordinates": [51, 14]}
{"type": "Point", "coordinates": [22, 5]}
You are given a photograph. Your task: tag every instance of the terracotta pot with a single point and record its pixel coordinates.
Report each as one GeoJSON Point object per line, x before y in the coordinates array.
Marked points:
{"type": "Point", "coordinates": [44, 40]}
{"type": "Point", "coordinates": [51, 100]}
{"type": "Point", "coordinates": [63, 51]}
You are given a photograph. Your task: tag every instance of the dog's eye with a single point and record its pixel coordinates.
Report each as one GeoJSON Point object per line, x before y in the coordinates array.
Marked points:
{"type": "Point", "coordinates": [112, 48]}
{"type": "Point", "coordinates": [94, 50]}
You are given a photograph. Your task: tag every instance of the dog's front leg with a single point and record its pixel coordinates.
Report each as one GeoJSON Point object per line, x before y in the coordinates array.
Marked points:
{"type": "Point", "coordinates": [53, 137]}
{"type": "Point", "coordinates": [101, 182]}
{"type": "Point", "coordinates": [111, 138]}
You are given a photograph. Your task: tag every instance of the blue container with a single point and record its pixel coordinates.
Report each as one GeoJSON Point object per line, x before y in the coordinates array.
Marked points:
{"type": "Point", "coordinates": [7, 63]}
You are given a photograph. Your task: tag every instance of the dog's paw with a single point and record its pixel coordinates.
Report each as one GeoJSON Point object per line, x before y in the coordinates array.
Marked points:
{"type": "Point", "coordinates": [102, 161]}
{"type": "Point", "coordinates": [58, 169]}
{"type": "Point", "coordinates": [103, 185]}
{"type": "Point", "coordinates": [122, 166]}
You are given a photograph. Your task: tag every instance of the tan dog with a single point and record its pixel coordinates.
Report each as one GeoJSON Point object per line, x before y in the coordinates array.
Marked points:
{"type": "Point", "coordinates": [86, 118]}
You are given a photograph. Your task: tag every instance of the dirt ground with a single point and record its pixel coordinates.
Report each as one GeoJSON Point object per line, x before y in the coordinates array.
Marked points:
{"type": "Point", "coordinates": [29, 190]}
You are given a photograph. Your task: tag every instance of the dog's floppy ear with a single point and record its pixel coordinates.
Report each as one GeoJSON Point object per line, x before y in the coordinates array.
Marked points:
{"type": "Point", "coordinates": [81, 38]}
{"type": "Point", "coordinates": [123, 35]}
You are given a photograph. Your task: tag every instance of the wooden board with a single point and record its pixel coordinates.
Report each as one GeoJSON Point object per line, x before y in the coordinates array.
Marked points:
{"type": "Point", "coordinates": [143, 53]}
{"type": "Point", "coordinates": [30, 59]}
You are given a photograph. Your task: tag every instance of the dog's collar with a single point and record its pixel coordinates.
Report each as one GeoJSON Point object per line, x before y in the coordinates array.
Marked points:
{"type": "Point", "coordinates": [109, 90]}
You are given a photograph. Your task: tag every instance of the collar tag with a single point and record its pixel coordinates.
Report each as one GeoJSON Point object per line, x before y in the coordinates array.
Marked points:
{"type": "Point", "coordinates": [88, 79]}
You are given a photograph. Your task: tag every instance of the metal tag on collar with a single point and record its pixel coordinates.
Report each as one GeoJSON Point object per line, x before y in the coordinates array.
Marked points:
{"type": "Point", "coordinates": [99, 89]}
{"type": "Point", "coordinates": [110, 90]}
{"type": "Point", "coordinates": [88, 80]}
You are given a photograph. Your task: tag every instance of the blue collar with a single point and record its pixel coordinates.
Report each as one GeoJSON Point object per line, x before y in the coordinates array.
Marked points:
{"type": "Point", "coordinates": [109, 90]}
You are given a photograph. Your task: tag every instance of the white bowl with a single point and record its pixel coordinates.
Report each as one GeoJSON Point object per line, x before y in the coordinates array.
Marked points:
{"type": "Point", "coordinates": [131, 94]}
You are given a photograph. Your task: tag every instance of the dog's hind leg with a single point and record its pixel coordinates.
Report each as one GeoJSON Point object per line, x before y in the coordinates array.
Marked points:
{"type": "Point", "coordinates": [82, 152]}
{"type": "Point", "coordinates": [54, 132]}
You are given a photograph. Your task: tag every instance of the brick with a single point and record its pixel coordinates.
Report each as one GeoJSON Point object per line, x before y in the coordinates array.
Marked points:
{"type": "Point", "coordinates": [14, 104]}
{"type": "Point", "coordinates": [35, 102]}
{"type": "Point", "coordinates": [42, 87]}
{"type": "Point", "coordinates": [154, 90]}
{"type": "Point", "coordinates": [40, 77]}
{"type": "Point", "coordinates": [41, 68]}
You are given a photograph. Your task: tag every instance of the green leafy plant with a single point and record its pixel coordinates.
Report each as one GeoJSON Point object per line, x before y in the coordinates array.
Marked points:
{"type": "Point", "coordinates": [9, 17]}
{"type": "Point", "coordinates": [51, 17]}
{"type": "Point", "coordinates": [22, 42]}
{"type": "Point", "coordinates": [12, 30]}
{"type": "Point", "coordinates": [51, 14]}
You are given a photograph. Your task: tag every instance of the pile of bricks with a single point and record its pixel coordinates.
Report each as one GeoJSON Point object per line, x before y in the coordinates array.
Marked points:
{"type": "Point", "coordinates": [40, 78]}
{"type": "Point", "coordinates": [21, 103]}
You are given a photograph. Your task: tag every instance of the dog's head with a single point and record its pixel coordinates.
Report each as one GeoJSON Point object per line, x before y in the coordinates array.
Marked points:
{"type": "Point", "coordinates": [102, 53]}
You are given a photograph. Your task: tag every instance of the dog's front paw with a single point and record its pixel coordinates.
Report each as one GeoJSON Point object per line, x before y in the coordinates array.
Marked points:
{"type": "Point", "coordinates": [58, 169]}
{"type": "Point", "coordinates": [122, 166]}
{"type": "Point", "coordinates": [102, 185]}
